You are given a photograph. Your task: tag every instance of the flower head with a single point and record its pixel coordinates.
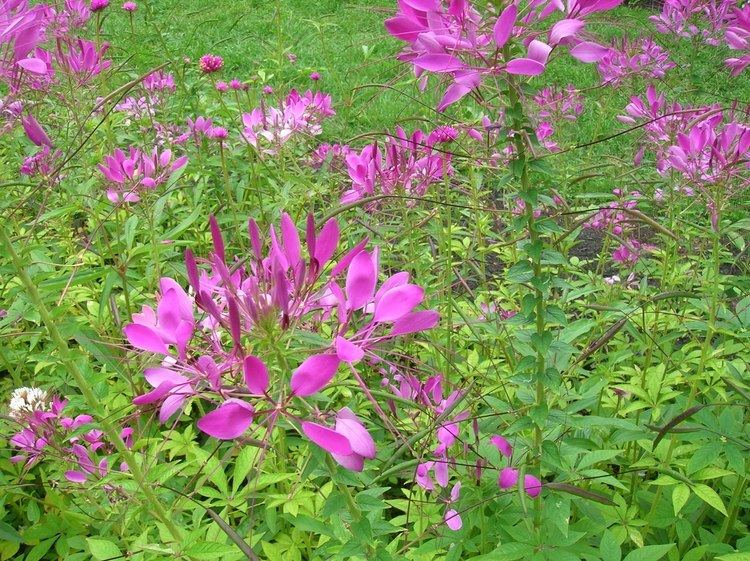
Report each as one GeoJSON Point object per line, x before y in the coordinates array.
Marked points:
{"type": "Point", "coordinates": [211, 63]}
{"type": "Point", "coordinates": [315, 76]}
{"type": "Point", "coordinates": [99, 5]}
{"type": "Point", "coordinates": [130, 7]}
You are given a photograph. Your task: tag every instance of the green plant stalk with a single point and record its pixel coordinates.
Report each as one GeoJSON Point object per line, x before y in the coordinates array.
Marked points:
{"type": "Point", "coordinates": [734, 508]}
{"type": "Point", "coordinates": [92, 401]}
{"type": "Point", "coordinates": [536, 264]}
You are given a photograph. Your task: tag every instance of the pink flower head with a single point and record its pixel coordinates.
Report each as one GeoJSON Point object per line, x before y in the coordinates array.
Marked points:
{"type": "Point", "coordinates": [211, 63]}
{"type": "Point", "coordinates": [235, 84]}
{"type": "Point", "coordinates": [221, 87]}
{"type": "Point", "coordinates": [130, 7]}
{"type": "Point", "coordinates": [158, 81]}
{"type": "Point", "coordinates": [315, 76]}
{"type": "Point", "coordinates": [218, 133]}
{"type": "Point", "coordinates": [268, 90]}
{"type": "Point", "coordinates": [99, 5]}
{"type": "Point", "coordinates": [349, 443]}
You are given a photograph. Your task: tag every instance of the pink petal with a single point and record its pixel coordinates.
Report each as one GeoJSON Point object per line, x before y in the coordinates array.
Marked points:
{"type": "Point", "coordinates": [452, 95]}
{"type": "Point", "coordinates": [228, 421]}
{"type": "Point", "coordinates": [328, 439]}
{"type": "Point", "coordinates": [424, 5]}
{"type": "Point", "coordinates": [508, 478]}
{"type": "Point", "coordinates": [502, 445]}
{"type": "Point", "coordinates": [353, 462]}
{"type": "Point", "coordinates": [453, 520]}
{"type": "Point", "coordinates": [564, 28]}
{"type": "Point", "coordinates": [414, 322]}
{"type": "Point", "coordinates": [539, 51]}
{"type": "Point", "coordinates": [145, 338]}
{"type": "Point", "coordinates": [291, 239]}
{"type": "Point", "coordinates": [314, 374]}
{"type": "Point", "coordinates": [355, 432]}
{"type": "Point", "coordinates": [171, 405]}
{"type": "Point", "coordinates": [256, 375]}
{"type": "Point", "coordinates": [360, 281]}
{"type": "Point", "coordinates": [438, 62]}
{"type": "Point", "coordinates": [404, 28]}
{"type": "Point", "coordinates": [348, 351]}
{"type": "Point", "coordinates": [75, 476]}
{"type": "Point", "coordinates": [325, 244]}
{"type": "Point", "coordinates": [398, 302]}
{"type": "Point", "coordinates": [524, 67]}
{"type": "Point", "coordinates": [154, 395]}
{"type": "Point", "coordinates": [532, 485]}
{"type": "Point", "coordinates": [504, 25]}
{"type": "Point", "coordinates": [35, 65]}
{"type": "Point", "coordinates": [587, 51]}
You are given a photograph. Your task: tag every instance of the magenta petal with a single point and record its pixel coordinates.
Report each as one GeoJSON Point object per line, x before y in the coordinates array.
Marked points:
{"type": "Point", "coordinates": [502, 445]}
{"type": "Point", "coordinates": [326, 242]}
{"type": "Point", "coordinates": [415, 322]}
{"type": "Point", "coordinates": [145, 338]}
{"type": "Point", "coordinates": [453, 520]}
{"type": "Point", "coordinates": [564, 28]}
{"type": "Point", "coordinates": [424, 5]}
{"type": "Point", "coordinates": [348, 351]}
{"type": "Point", "coordinates": [354, 462]}
{"type": "Point", "coordinates": [256, 375]}
{"type": "Point", "coordinates": [290, 238]}
{"type": "Point", "coordinates": [154, 395]}
{"type": "Point", "coordinates": [524, 67]}
{"type": "Point", "coordinates": [454, 93]}
{"type": "Point", "coordinates": [532, 485]}
{"type": "Point", "coordinates": [360, 281]}
{"type": "Point", "coordinates": [398, 302]}
{"type": "Point", "coordinates": [171, 405]}
{"type": "Point", "coordinates": [314, 374]}
{"type": "Point", "coordinates": [35, 65]}
{"type": "Point", "coordinates": [404, 28]}
{"type": "Point", "coordinates": [588, 51]}
{"type": "Point", "coordinates": [539, 51]}
{"type": "Point", "coordinates": [228, 421]}
{"type": "Point", "coordinates": [504, 25]}
{"type": "Point", "coordinates": [75, 476]}
{"type": "Point", "coordinates": [355, 432]}
{"type": "Point", "coordinates": [438, 62]}
{"type": "Point", "coordinates": [328, 439]}
{"type": "Point", "coordinates": [508, 478]}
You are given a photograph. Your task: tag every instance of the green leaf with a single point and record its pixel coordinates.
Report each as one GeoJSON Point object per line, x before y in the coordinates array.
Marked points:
{"type": "Point", "coordinates": [242, 465]}
{"type": "Point", "coordinates": [103, 549]}
{"type": "Point", "coordinates": [649, 552]}
{"type": "Point", "coordinates": [680, 495]}
{"type": "Point", "coordinates": [741, 556]}
{"type": "Point", "coordinates": [710, 497]}
{"type": "Point", "coordinates": [609, 547]}
{"type": "Point", "coordinates": [8, 533]}
{"type": "Point", "coordinates": [208, 550]}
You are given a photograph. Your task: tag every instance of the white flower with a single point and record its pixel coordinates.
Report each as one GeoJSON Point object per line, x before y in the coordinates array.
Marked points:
{"type": "Point", "coordinates": [27, 400]}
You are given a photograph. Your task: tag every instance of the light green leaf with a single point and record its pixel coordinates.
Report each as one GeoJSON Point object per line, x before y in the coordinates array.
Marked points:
{"type": "Point", "coordinates": [741, 556]}
{"type": "Point", "coordinates": [710, 497]}
{"type": "Point", "coordinates": [649, 552]}
{"type": "Point", "coordinates": [609, 547]}
{"type": "Point", "coordinates": [103, 549]}
{"type": "Point", "coordinates": [208, 550]}
{"type": "Point", "coordinates": [680, 495]}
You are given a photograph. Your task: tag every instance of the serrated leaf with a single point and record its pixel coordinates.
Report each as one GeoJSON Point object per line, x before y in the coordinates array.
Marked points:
{"type": "Point", "coordinates": [680, 495]}
{"type": "Point", "coordinates": [649, 552]}
{"type": "Point", "coordinates": [710, 497]}
{"type": "Point", "coordinates": [102, 549]}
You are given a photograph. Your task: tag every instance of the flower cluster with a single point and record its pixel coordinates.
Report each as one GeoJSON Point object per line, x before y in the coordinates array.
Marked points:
{"type": "Point", "coordinates": [713, 21]}
{"type": "Point", "coordinates": [615, 220]}
{"type": "Point", "coordinates": [559, 103]}
{"type": "Point", "coordinates": [211, 63]}
{"type": "Point", "coordinates": [332, 156]}
{"type": "Point", "coordinates": [268, 129]}
{"type": "Point", "coordinates": [266, 296]}
{"type": "Point", "coordinates": [129, 173]}
{"type": "Point", "coordinates": [628, 58]}
{"type": "Point", "coordinates": [467, 46]}
{"type": "Point", "coordinates": [407, 164]}
{"type": "Point", "coordinates": [46, 430]}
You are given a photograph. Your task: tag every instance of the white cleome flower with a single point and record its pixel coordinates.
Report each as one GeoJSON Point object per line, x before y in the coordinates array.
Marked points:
{"type": "Point", "coordinates": [27, 400]}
